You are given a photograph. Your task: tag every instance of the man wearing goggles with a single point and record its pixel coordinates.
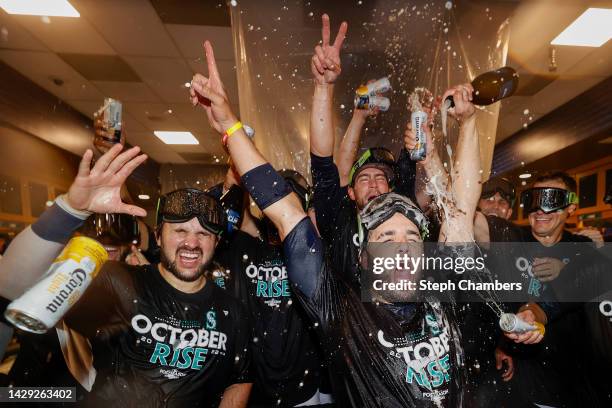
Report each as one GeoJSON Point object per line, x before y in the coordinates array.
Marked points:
{"type": "Point", "coordinates": [497, 198]}
{"type": "Point", "coordinates": [160, 334]}
{"type": "Point", "coordinates": [549, 203]}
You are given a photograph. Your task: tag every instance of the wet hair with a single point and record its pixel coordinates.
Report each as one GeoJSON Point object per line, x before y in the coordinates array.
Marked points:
{"type": "Point", "coordinates": [568, 180]}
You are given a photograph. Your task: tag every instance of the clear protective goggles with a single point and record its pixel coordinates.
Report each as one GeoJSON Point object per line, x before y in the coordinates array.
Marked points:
{"type": "Point", "coordinates": [547, 199]}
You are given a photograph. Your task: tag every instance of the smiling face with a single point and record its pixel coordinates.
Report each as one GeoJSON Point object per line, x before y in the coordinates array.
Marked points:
{"type": "Point", "coordinates": [495, 205]}
{"type": "Point", "coordinates": [186, 249]}
{"type": "Point", "coordinates": [550, 225]}
{"type": "Point", "coordinates": [369, 183]}
{"type": "Point", "coordinates": [114, 252]}
{"type": "Point", "coordinates": [401, 237]}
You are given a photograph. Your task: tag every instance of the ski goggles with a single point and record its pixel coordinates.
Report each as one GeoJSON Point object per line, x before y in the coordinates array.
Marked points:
{"type": "Point", "coordinates": [377, 157]}
{"type": "Point", "coordinates": [111, 229]}
{"type": "Point", "coordinates": [187, 203]}
{"type": "Point", "coordinates": [501, 186]}
{"type": "Point", "coordinates": [383, 207]}
{"type": "Point", "coordinates": [547, 199]}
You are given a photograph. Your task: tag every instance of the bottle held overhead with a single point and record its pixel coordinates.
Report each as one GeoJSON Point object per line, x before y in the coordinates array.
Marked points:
{"type": "Point", "coordinates": [368, 97]}
{"type": "Point", "coordinates": [418, 101]}
{"type": "Point", "coordinates": [491, 87]}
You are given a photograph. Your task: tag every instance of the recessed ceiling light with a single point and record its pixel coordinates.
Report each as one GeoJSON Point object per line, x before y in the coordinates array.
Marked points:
{"type": "Point", "coordinates": [591, 29]}
{"type": "Point", "coordinates": [50, 8]}
{"type": "Point", "coordinates": [176, 138]}
{"type": "Point", "coordinates": [170, 111]}
{"type": "Point", "coordinates": [524, 175]}
{"type": "Point", "coordinates": [143, 196]}
{"type": "Point", "coordinates": [187, 85]}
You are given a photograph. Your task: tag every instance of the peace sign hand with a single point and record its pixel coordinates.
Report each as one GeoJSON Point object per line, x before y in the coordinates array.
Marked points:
{"type": "Point", "coordinates": [325, 63]}
{"type": "Point", "coordinates": [210, 94]}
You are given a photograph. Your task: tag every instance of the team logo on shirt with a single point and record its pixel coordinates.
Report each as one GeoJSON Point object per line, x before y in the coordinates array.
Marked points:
{"type": "Point", "coordinates": [211, 320]}
{"type": "Point", "coordinates": [271, 281]}
{"type": "Point", "coordinates": [179, 343]}
{"type": "Point", "coordinates": [427, 361]}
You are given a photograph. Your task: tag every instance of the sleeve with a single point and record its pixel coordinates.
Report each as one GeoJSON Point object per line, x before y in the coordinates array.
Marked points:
{"type": "Point", "coordinates": [34, 249]}
{"type": "Point", "coordinates": [242, 361]}
{"type": "Point", "coordinates": [406, 175]}
{"type": "Point", "coordinates": [310, 277]}
{"type": "Point", "coordinates": [92, 311]}
{"type": "Point", "coordinates": [327, 193]}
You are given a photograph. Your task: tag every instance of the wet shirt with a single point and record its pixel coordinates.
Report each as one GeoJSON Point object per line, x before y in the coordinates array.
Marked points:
{"type": "Point", "coordinates": [337, 214]}
{"type": "Point", "coordinates": [398, 355]}
{"type": "Point", "coordinates": [286, 360]}
{"type": "Point", "coordinates": [154, 345]}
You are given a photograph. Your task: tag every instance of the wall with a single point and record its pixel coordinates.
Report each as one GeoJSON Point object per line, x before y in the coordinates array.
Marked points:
{"type": "Point", "coordinates": [37, 166]}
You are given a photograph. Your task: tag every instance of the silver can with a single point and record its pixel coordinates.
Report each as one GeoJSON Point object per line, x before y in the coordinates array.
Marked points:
{"type": "Point", "coordinates": [370, 103]}
{"type": "Point", "coordinates": [418, 119]}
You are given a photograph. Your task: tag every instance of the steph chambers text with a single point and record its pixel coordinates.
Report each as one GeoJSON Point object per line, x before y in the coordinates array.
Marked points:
{"type": "Point", "coordinates": [463, 285]}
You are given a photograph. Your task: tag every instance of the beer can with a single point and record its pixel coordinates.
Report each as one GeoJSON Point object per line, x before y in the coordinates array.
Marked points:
{"type": "Point", "coordinates": [419, 118]}
{"type": "Point", "coordinates": [110, 113]}
{"type": "Point", "coordinates": [381, 85]}
{"type": "Point", "coordinates": [511, 323]}
{"type": "Point", "coordinates": [44, 304]}
{"type": "Point", "coordinates": [371, 102]}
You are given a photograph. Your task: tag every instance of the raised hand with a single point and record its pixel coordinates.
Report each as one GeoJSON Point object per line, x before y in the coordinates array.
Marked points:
{"type": "Point", "coordinates": [99, 189]}
{"type": "Point", "coordinates": [325, 64]}
{"type": "Point", "coordinates": [462, 96]}
{"type": "Point", "coordinates": [210, 94]}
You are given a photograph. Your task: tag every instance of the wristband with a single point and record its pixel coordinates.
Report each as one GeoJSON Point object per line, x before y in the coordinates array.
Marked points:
{"type": "Point", "coordinates": [231, 131]}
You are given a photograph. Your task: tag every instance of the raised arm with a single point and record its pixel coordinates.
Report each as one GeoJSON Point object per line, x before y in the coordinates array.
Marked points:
{"type": "Point", "coordinates": [347, 153]}
{"type": "Point", "coordinates": [95, 190]}
{"type": "Point", "coordinates": [465, 188]}
{"type": "Point", "coordinates": [266, 187]}
{"type": "Point", "coordinates": [326, 67]}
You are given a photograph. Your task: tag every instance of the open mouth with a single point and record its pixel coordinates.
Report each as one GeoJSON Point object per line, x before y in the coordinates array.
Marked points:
{"type": "Point", "coordinates": [189, 258]}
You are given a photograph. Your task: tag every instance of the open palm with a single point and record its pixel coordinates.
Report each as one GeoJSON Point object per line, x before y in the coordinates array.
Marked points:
{"type": "Point", "coordinates": [99, 189]}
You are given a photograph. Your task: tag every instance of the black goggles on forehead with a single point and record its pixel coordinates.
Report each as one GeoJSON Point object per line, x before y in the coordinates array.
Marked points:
{"type": "Point", "coordinates": [503, 187]}
{"type": "Point", "coordinates": [547, 199]}
{"type": "Point", "coordinates": [184, 204]}
{"type": "Point", "coordinates": [112, 229]}
{"type": "Point", "coordinates": [375, 155]}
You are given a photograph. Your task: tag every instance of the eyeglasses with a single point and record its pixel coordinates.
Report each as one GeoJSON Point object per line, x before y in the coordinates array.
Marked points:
{"type": "Point", "coordinates": [547, 199]}
{"type": "Point", "coordinates": [184, 204]}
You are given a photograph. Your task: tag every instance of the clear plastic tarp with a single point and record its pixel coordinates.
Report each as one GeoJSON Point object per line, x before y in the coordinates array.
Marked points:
{"type": "Point", "coordinates": [434, 44]}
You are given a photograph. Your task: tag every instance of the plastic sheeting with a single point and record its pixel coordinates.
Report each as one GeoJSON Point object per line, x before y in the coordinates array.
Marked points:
{"type": "Point", "coordinates": [434, 44]}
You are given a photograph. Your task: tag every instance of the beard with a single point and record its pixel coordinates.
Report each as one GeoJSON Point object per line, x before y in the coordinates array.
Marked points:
{"type": "Point", "coordinates": [171, 266]}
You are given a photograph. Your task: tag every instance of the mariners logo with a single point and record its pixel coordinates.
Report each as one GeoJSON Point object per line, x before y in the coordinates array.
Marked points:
{"type": "Point", "coordinates": [211, 320]}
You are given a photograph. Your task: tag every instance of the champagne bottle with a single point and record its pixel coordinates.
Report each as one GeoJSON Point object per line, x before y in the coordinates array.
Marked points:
{"type": "Point", "coordinates": [492, 86]}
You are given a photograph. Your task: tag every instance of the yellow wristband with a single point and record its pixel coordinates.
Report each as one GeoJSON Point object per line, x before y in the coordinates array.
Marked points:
{"type": "Point", "coordinates": [234, 128]}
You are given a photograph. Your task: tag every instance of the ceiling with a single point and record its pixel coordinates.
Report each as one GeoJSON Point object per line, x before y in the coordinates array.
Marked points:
{"type": "Point", "coordinates": [534, 24]}
{"type": "Point", "coordinates": [140, 52]}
